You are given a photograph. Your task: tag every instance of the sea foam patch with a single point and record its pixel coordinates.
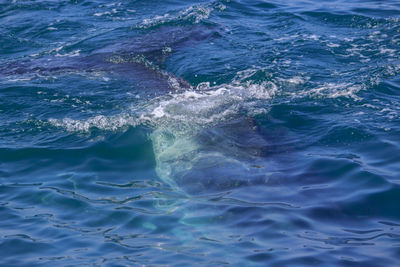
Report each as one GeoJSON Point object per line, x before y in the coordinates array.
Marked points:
{"type": "Point", "coordinates": [194, 14]}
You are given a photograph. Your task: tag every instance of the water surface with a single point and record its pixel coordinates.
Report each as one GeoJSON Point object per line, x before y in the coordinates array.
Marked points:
{"type": "Point", "coordinates": [215, 133]}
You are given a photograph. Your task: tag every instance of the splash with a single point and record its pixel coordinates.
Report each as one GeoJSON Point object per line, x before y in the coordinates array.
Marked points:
{"type": "Point", "coordinates": [197, 131]}
{"type": "Point", "coordinates": [180, 136]}
{"type": "Point", "coordinates": [183, 122]}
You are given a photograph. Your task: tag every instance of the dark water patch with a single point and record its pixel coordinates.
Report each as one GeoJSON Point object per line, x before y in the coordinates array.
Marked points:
{"type": "Point", "coordinates": [381, 12]}
{"type": "Point", "coordinates": [389, 87]}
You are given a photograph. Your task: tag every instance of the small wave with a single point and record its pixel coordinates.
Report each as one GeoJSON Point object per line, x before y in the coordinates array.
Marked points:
{"type": "Point", "coordinates": [99, 14]}
{"type": "Point", "coordinates": [193, 14]}
{"type": "Point", "coordinates": [74, 53]}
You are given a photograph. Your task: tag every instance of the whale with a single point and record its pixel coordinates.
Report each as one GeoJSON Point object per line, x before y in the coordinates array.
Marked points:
{"type": "Point", "coordinates": [197, 163]}
{"type": "Point", "coordinates": [197, 133]}
{"type": "Point", "coordinates": [139, 59]}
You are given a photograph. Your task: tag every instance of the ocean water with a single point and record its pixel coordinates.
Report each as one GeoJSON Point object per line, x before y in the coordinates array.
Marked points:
{"type": "Point", "coordinates": [206, 133]}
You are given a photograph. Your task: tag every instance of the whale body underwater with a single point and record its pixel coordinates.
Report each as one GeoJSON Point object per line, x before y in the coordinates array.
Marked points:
{"type": "Point", "coordinates": [196, 132]}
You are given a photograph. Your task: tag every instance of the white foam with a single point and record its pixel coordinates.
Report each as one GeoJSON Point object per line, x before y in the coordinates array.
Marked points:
{"type": "Point", "coordinates": [112, 123]}
{"type": "Point", "coordinates": [313, 37]}
{"type": "Point", "coordinates": [98, 14]}
{"type": "Point", "coordinates": [74, 53]}
{"type": "Point", "coordinates": [221, 7]}
{"type": "Point", "coordinates": [195, 14]}
{"type": "Point", "coordinates": [207, 105]}
{"type": "Point", "coordinates": [387, 51]}
{"type": "Point", "coordinates": [334, 90]}
{"type": "Point", "coordinates": [295, 80]}
{"type": "Point", "coordinates": [333, 45]}
{"type": "Point", "coordinates": [20, 79]}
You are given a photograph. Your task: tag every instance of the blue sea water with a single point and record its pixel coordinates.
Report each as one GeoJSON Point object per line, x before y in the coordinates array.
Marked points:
{"type": "Point", "coordinates": [207, 133]}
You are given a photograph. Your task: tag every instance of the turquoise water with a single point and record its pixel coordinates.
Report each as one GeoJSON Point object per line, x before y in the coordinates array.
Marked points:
{"type": "Point", "coordinates": [210, 133]}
